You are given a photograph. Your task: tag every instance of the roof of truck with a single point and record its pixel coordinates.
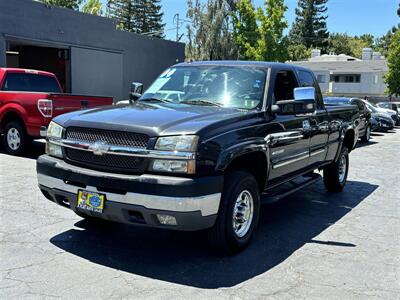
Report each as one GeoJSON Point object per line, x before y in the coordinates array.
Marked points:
{"type": "Point", "coordinates": [260, 64]}
{"type": "Point", "coordinates": [29, 71]}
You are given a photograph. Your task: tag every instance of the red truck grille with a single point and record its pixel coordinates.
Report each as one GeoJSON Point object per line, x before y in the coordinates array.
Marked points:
{"type": "Point", "coordinates": [107, 162]}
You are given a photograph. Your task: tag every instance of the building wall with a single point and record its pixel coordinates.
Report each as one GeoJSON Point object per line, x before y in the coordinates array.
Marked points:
{"type": "Point", "coordinates": [94, 78]}
{"type": "Point", "coordinates": [143, 58]}
{"type": "Point", "coordinates": [2, 50]}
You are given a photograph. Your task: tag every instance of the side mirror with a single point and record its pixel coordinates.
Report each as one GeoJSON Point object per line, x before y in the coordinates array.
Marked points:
{"type": "Point", "coordinates": [303, 103]}
{"type": "Point", "coordinates": [136, 91]}
{"type": "Point", "coordinates": [304, 98]}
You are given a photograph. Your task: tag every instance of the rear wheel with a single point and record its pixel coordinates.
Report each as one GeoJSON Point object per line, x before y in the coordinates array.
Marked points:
{"type": "Point", "coordinates": [367, 135]}
{"type": "Point", "coordinates": [15, 138]}
{"type": "Point", "coordinates": [238, 214]}
{"type": "Point", "coordinates": [335, 174]}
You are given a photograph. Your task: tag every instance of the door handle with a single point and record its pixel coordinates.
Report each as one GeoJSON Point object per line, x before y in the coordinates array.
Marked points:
{"type": "Point", "coordinates": [274, 138]}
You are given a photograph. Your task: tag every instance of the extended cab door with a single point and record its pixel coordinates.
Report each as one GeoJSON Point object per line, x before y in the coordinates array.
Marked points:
{"type": "Point", "coordinates": [289, 143]}
{"type": "Point", "coordinates": [319, 121]}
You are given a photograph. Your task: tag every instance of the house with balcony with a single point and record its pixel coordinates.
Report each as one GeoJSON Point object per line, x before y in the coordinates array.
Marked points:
{"type": "Point", "coordinates": [343, 75]}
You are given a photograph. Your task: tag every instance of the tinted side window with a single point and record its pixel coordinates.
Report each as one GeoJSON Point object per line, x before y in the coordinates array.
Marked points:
{"type": "Point", "coordinates": [285, 83]}
{"type": "Point", "coordinates": [307, 79]}
{"type": "Point", "coordinates": [23, 82]}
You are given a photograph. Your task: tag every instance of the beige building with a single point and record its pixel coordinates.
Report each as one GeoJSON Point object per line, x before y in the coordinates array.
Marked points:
{"type": "Point", "coordinates": [343, 75]}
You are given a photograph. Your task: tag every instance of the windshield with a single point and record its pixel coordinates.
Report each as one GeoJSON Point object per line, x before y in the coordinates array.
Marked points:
{"type": "Point", "coordinates": [238, 87]}
{"type": "Point", "coordinates": [370, 107]}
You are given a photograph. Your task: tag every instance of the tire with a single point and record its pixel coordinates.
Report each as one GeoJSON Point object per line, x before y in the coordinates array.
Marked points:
{"type": "Point", "coordinates": [335, 174]}
{"type": "Point", "coordinates": [367, 135]}
{"type": "Point", "coordinates": [222, 236]}
{"type": "Point", "coordinates": [15, 138]}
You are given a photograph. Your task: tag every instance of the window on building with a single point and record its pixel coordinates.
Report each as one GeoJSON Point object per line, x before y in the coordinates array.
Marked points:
{"type": "Point", "coordinates": [346, 78]}
{"type": "Point", "coordinates": [376, 79]}
{"type": "Point", "coordinates": [321, 78]}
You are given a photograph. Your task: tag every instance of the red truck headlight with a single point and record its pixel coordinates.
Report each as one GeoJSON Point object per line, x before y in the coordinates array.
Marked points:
{"type": "Point", "coordinates": [45, 107]}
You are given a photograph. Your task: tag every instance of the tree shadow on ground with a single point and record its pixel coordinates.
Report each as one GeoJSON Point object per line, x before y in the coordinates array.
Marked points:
{"type": "Point", "coordinates": [185, 258]}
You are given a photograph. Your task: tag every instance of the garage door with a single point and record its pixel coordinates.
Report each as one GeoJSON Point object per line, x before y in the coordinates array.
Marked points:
{"type": "Point", "coordinates": [96, 72]}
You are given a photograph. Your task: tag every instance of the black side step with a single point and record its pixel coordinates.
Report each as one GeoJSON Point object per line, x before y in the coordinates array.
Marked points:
{"type": "Point", "coordinates": [289, 188]}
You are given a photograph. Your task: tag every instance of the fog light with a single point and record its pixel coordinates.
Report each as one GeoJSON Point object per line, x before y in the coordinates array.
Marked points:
{"type": "Point", "coordinates": [167, 220]}
{"type": "Point", "coordinates": [53, 150]}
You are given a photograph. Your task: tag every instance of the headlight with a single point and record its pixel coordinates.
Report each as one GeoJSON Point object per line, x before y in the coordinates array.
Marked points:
{"type": "Point", "coordinates": [174, 166]}
{"type": "Point", "coordinates": [54, 130]}
{"type": "Point", "coordinates": [187, 143]}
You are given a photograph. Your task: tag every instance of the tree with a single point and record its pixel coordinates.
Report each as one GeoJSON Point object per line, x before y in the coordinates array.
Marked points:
{"type": "Point", "coordinates": [298, 52]}
{"type": "Point", "coordinates": [93, 7]}
{"type": "Point", "coordinates": [259, 32]}
{"type": "Point", "coordinates": [72, 4]}
{"type": "Point", "coordinates": [392, 78]}
{"type": "Point", "coordinates": [246, 31]}
{"type": "Point", "coordinates": [339, 43]}
{"type": "Point", "coordinates": [148, 18]}
{"type": "Point", "coordinates": [122, 11]}
{"type": "Point", "coordinates": [139, 16]}
{"type": "Point", "coordinates": [209, 32]}
{"type": "Point", "coordinates": [310, 27]}
{"type": "Point", "coordinates": [342, 43]}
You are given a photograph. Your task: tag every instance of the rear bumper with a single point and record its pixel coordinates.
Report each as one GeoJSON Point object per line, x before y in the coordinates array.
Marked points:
{"type": "Point", "coordinates": [134, 199]}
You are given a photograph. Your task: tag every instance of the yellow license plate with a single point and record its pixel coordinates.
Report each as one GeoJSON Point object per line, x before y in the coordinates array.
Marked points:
{"type": "Point", "coordinates": [91, 201]}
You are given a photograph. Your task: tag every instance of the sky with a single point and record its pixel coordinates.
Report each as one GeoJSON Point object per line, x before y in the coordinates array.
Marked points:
{"type": "Point", "coordinates": [354, 17]}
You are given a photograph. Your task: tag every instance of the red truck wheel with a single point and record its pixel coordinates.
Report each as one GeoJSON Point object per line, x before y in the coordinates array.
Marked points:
{"type": "Point", "coordinates": [15, 138]}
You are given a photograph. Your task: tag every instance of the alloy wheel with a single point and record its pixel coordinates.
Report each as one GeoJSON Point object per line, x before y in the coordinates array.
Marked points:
{"type": "Point", "coordinates": [243, 213]}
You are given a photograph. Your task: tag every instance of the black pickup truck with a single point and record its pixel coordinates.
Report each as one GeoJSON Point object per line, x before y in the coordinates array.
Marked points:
{"type": "Point", "coordinates": [201, 149]}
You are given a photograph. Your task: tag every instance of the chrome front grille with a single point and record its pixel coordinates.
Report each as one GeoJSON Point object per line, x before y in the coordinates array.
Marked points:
{"type": "Point", "coordinates": [110, 137]}
{"type": "Point", "coordinates": [106, 162]}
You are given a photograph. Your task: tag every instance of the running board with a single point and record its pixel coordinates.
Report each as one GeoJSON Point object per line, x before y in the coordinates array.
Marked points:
{"type": "Point", "coordinates": [289, 188]}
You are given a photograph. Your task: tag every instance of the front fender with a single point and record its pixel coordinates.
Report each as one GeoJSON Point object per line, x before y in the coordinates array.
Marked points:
{"type": "Point", "coordinates": [246, 147]}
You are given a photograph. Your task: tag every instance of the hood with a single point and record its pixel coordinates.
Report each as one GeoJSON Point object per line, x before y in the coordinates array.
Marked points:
{"type": "Point", "coordinates": [151, 119]}
{"type": "Point", "coordinates": [381, 115]}
{"type": "Point", "coordinates": [385, 110]}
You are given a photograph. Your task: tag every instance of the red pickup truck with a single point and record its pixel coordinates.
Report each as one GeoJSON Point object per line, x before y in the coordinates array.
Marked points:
{"type": "Point", "coordinates": [29, 100]}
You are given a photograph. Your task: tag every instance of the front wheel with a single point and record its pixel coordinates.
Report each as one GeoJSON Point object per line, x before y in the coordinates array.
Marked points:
{"type": "Point", "coordinates": [335, 174]}
{"type": "Point", "coordinates": [238, 214]}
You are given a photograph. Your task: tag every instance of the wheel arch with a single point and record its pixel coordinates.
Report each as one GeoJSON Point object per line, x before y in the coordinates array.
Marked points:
{"type": "Point", "coordinates": [9, 116]}
{"type": "Point", "coordinates": [254, 162]}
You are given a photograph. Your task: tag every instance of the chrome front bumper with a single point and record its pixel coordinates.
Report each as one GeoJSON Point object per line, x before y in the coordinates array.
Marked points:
{"type": "Point", "coordinates": [207, 204]}
{"type": "Point", "coordinates": [194, 202]}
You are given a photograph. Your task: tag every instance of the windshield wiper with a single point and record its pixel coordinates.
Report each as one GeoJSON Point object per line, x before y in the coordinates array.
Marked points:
{"type": "Point", "coordinates": [155, 100]}
{"type": "Point", "coordinates": [202, 102]}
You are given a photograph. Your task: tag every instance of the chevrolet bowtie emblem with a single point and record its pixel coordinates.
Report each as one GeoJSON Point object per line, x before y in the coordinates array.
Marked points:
{"type": "Point", "coordinates": [99, 148]}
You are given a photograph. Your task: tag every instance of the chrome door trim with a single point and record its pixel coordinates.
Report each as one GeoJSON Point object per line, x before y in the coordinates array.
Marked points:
{"type": "Point", "coordinates": [316, 152]}
{"type": "Point", "coordinates": [298, 157]}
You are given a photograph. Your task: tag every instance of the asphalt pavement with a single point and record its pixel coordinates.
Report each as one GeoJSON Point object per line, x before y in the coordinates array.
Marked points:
{"type": "Point", "coordinates": [312, 245]}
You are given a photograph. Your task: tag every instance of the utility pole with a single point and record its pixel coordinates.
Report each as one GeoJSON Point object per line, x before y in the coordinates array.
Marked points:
{"type": "Point", "coordinates": [177, 20]}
